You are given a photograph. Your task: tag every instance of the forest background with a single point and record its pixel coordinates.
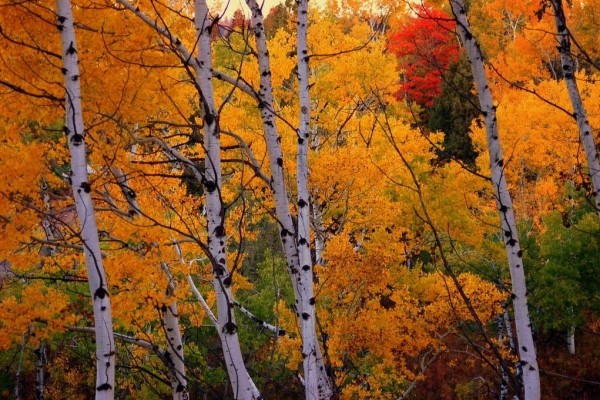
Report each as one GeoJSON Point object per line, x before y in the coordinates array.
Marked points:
{"type": "Point", "coordinates": [301, 204]}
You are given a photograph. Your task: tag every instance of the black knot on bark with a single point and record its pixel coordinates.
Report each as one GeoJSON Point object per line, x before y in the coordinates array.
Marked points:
{"type": "Point", "coordinates": [100, 293]}
{"type": "Point", "coordinates": [305, 316]}
{"type": "Point", "coordinates": [230, 328]}
{"type": "Point", "coordinates": [71, 50]}
{"type": "Point", "coordinates": [86, 187]}
{"type": "Point", "coordinates": [103, 387]}
{"type": "Point", "coordinates": [220, 231]}
{"type": "Point", "coordinates": [77, 139]}
{"type": "Point", "coordinates": [210, 186]}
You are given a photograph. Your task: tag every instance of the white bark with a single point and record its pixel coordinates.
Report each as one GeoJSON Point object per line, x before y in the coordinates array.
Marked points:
{"type": "Point", "coordinates": [310, 345]}
{"type": "Point", "coordinates": [105, 345]}
{"type": "Point", "coordinates": [503, 373]}
{"type": "Point", "coordinates": [507, 325]}
{"type": "Point", "coordinates": [40, 353]}
{"type": "Point", "coordinates": [277, 331]}
{"type": "Point", "coordinates": [128, 192]}
{"type": "Point", "coordinates": [295, 242]}
{"type": "Point", "coordinates": [180, 50]}
{"type": "Point", "coordinates": [278, 185]}
{"type": "Point", "coordinates": [243, 386]}
{"type": "Point", "coordinates": [174, 350]}
{"type": "Point", "coordinates": [203, 303]}
{"type": "Point", "coordinates": [527, 355]}
{"type": "Point", "coordinates": [17, 382]}
{"type": "Point", "coordinates": [571, 340]}
{"type": "Point", "coordinates": [579, 111]}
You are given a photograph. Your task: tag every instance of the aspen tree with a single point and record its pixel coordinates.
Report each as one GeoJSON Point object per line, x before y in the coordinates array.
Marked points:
{"type": "Point", "coordinates": [309, 345]}
{"type": "Point", "coordinates": [579, 110]}
{"type": "Point", "coordinates": [295, 240]}
{"type": "Point", "coordinates": [76, 135]}
{"type": "Point", "coordinates": [174, 348]}
{"type": "Point", "coordinates": [527, 353]}
{"type": "Point", "coordinates": [243, 386]}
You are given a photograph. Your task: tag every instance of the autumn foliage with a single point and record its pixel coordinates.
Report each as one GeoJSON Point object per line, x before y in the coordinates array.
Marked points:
{"type": "Point", "coordinates": [425, 46]}
{"type": "Point", "coordinates": [412, 291]}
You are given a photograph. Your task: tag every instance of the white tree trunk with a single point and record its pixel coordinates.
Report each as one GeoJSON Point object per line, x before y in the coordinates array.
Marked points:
{"type": "Point", "coordinates": [527, 355]}
{"type": "Point", "coordinates": [310, 344]}
{"type": "Point", "coordinates": [571, 340]}
{"type": "Point", "coordinates": [278, 186]}
{"type": "Point", "coordinates": [243, 386]}
{"type": "Point", "coordinates": [503, 373]}
{"type": "Point", "coordinates": [174, 351]}
{"type": "Point", "coordinates": [295, 242]}
{"type": "Point", "coordinates": [74, 129]}
{"type": "Point", "coordinates": [127, 191]}
{"type": "Point", "coordinates": [579, 112]}
{"type": "Point", "coordinates": [40, 353]}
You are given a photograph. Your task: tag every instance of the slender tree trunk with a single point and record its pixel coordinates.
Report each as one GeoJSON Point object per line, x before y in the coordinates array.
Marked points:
{"type": "Point", "coordinates": [571, 340]}
{"type": "Point", "coordinates": [295, 241]}
{"type": "Point", "coordinates": [579, 111]}
{"type": "Point", "coordinates": [504, 374]}
{"type": "Point", "coordinates": [40, 353]}
{"type": "Point", "coordinates": [174, 350]}
{"type": "Point", "coordinates": [310, 345]}
{"type": "Point", "coordinates": [75, 133]}
{"type": "Point", "coordinates": [127, 191]}
{"type": "Point", "coordinates": [243, 386]}
{"type": "Point", "coordinates": [17, 383]}
{"type": "Point", "coordinates": [527, 355]}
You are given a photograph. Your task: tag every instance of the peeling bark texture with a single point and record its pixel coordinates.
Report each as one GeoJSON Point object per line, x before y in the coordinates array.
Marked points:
{"type": "Point", "coordinates": [295, 240]}
{"type": "Point", "coordinates": [74, 129]}
{"type": "Point", "coordinates": [243, 386]}
{"type": "Point", "coordinates": [526, 349]}
{"type": "Point", "coordinates": [174, 348]}
{"type": "Point", "coordinates": [579, 111]}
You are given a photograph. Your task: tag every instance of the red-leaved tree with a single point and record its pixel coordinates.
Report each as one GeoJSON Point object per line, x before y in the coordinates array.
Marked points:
{"type": "Point", "coordinates": [425, 46]}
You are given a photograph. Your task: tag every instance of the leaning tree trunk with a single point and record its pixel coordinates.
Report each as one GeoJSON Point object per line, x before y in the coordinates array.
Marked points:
{"type": "Point", "coordinates": [74, 129]}
{"type": "Point", "coordinates": [243, 386]}
{"type": "Point", "coordinates": [531, 377]}
{"type": "Point", "coordinates": [296, 242]}
{"type": "Point", "coordinates": [579, 112]}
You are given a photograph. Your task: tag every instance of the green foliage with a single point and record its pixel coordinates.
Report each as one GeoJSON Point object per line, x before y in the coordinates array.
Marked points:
{"type": "Point", "coordinates": [453, 113]}
{"type": "Point", "coordinates": [566, 280]}
{"type": "Point", "coordinates": [279, 17]}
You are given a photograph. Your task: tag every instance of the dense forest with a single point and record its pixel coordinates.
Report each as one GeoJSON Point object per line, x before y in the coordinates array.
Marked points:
{"type": "Point", "coordinates": [385, 199]}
